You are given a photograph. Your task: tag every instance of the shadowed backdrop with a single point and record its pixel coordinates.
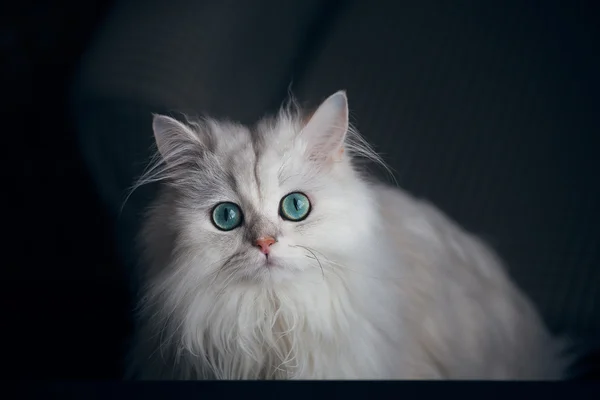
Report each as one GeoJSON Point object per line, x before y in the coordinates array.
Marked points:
{"type": "Point", "coordinates": [488, 109]}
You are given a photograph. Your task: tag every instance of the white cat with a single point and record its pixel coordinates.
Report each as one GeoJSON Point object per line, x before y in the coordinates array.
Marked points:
{"type": "Point", "coordinates": [270, 256]}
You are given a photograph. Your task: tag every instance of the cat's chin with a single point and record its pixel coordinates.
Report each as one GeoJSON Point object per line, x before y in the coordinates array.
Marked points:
{"type": "Point", "coordinates": [269, 271]}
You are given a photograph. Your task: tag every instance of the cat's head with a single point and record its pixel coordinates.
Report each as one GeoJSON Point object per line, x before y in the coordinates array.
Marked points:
{"type": "Point", "coordinates": [275, 203]}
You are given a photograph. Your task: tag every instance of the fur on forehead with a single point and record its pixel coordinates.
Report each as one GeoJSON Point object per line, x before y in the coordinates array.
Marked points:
{"type": "Point", "coordinates": [198, 153]}
{"type": "Point", "coordinates": [320, 134]}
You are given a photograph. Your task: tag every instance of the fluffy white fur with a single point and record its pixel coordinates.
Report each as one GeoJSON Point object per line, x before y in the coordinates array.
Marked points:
{"type": "Point", "coordinates": [374, 284]}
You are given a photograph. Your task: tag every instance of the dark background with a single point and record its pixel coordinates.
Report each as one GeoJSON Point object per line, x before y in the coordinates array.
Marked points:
{"type": "Point", "coordinates": [65, 302]}
{"type": "Point", "coordinates": [63, 297]}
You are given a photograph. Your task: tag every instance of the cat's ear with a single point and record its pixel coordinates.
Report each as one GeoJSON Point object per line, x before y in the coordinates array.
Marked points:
{"type": "Point", "coordinates": [326, 129]}
{"type": "Point", "coordinates": [172, 136]}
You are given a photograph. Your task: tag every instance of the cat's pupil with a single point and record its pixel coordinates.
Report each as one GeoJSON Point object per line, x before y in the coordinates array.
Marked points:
{"type": "Point", "coordinates": [226, 213]}
{"type": "Point", "coordinates": [297, 204]}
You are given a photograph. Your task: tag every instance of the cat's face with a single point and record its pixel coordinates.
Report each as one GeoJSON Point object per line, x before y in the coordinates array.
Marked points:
{"type": "Point", "coordinates": [273, 204]}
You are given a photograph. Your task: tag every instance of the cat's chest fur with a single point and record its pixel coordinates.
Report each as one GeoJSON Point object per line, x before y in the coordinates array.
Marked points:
{"type": "Point", "coordinates": [303, 334]}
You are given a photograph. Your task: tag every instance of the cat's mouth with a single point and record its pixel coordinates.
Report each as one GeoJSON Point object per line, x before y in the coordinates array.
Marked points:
{"type": "Point", "coordinates": [262, 264]}
{"type": "Point", "coordinates": [268, 269]}
{"type": "Point", "coordinates": [269, 262]}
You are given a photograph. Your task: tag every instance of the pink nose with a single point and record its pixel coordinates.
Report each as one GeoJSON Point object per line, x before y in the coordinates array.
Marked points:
{"type": "Point", "coordinates": [264, 243]}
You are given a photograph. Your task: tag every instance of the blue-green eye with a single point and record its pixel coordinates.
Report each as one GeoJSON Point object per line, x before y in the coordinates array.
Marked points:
{"type": "Point", "coordinates": [294, 207]}
{"type": "Point", "coordinates": [227, 216]}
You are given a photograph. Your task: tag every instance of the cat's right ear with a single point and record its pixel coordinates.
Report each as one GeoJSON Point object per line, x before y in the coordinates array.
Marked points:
{"type": "Point", "coordinates": [172, 136]}
{"type": "Point", "coordinates": [326, 129]}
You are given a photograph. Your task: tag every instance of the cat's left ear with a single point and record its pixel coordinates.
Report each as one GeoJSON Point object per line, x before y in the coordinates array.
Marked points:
{"type": "Point", "coordinates": [175, 139]}
{"type": "Point", "coordinates": [326, 129]}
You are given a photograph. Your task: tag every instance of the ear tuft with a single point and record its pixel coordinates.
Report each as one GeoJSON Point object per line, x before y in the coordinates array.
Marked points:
{"type": "Point", "coordinates": [171, 134]}
{"type": "Point", "coordinates": [326, 129]}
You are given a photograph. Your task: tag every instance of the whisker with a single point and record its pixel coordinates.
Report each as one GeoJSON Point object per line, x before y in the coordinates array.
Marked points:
{"type": "Point", "coordinates": [218, 271]}
{"type": "Point", "coordinates": [381, 278]}
{"type": "Point", "coordinates": [316, 258]}
{"type": "Point", "coordinates": [230, 278]}
{"type": "Point", "coordinates": [341, 266]}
